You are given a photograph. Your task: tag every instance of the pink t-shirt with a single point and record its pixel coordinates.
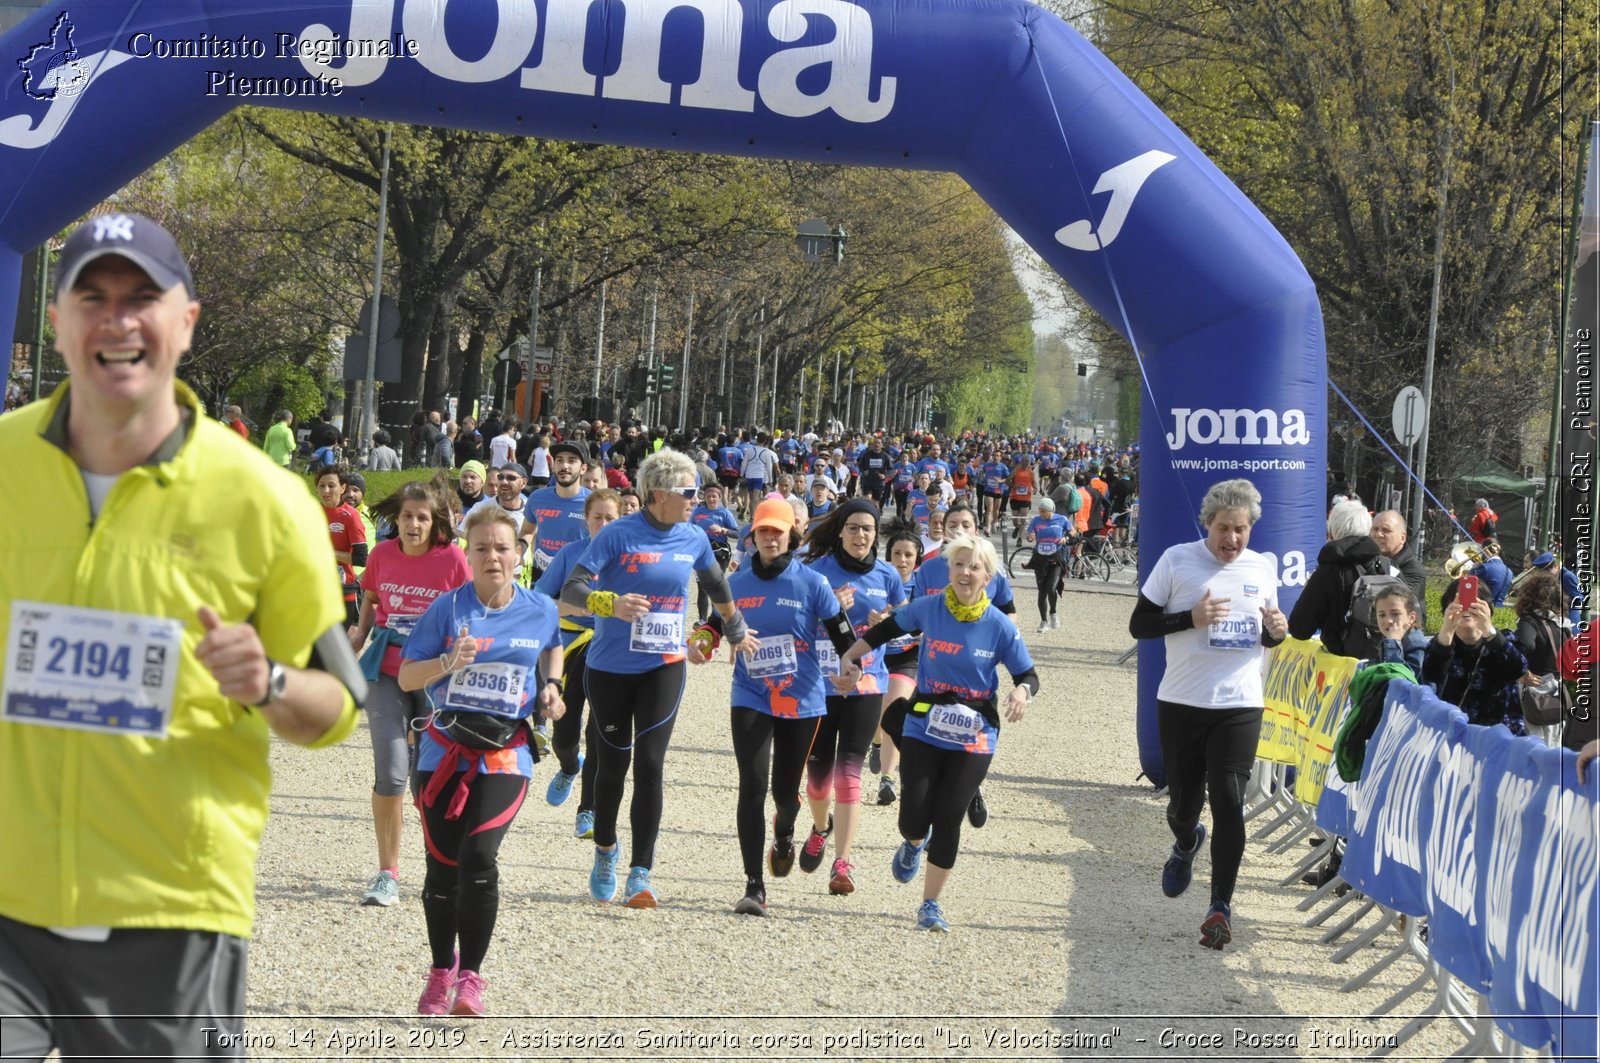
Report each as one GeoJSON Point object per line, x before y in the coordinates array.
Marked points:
{"type": "Point", "coordinates": [406, 586]}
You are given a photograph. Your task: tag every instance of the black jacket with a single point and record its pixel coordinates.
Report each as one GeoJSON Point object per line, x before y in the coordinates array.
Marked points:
{"type": "Point", "coordinates": [1325, 603]}
{"type": "Point", "coordinates": [1411, 570]}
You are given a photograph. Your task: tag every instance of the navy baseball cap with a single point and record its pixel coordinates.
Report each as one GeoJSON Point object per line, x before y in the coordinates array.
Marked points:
{"type": "Point", "coordinates": [133, 236]}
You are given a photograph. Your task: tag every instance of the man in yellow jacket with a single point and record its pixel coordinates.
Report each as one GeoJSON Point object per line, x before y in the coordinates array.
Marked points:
{"type": "Point", "coordinates": [150, 647]}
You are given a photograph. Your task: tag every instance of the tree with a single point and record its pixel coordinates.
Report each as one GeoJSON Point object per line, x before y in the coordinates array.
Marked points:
{"type": "Point", "coordinates": [1366, 129]}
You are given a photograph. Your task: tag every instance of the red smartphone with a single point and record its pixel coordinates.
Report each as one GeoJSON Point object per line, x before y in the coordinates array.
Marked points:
{"type": "Point", "coordinates": [1467, 592]}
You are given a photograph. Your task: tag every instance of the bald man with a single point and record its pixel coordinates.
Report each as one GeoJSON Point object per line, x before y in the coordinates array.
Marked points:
{"type": "Point", "coordinates": [1389, 532]}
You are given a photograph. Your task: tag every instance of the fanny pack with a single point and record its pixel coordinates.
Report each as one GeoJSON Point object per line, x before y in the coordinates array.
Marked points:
{"type": "Point", "coordinates": [483, 730]}
{"type": "Point", "coordinates": [922, 703]}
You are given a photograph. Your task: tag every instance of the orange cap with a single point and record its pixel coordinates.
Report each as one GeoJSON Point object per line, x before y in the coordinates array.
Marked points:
{"type": "Point", "coordinates": [773, 513]}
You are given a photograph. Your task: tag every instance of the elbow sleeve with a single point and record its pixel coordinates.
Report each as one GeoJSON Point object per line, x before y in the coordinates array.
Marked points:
{"type": "Point", "coordinates": [1150, 622]}
{"type": "Point", "coordinates": [715, 583]}
{"type": "Point", "coordinates": [575, 591]}
{"type": "Point", "coordinates": [840, 631]}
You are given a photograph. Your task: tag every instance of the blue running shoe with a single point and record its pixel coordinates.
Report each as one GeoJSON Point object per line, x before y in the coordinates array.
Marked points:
{"type": "Point", "coordinates": [1217, 930]}
{"type": "Point", "coordinates": [603, 879]}
{"type": "Point", "coordinates": [637, 893]}
{"type": "Point", "coordinates": [1179, 868]}
{"type": "Point", "coordinates": [907, 860]}
{"type": "Point", "coordinates": [561, 785]}
{"type": "Point", "coordinates": [931, 917]}
{"type": "Point", "coordinates": [585, 824]}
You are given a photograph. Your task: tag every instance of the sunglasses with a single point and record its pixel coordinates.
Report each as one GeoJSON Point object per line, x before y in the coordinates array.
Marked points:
{"type": "Point", "coordinates": [690, 493]}
{"type": "Point", "coordinates": [508, 478]}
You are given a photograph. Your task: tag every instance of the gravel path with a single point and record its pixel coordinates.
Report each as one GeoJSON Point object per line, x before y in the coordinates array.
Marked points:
{"type": "Point", "coordinates": [1063, 946]}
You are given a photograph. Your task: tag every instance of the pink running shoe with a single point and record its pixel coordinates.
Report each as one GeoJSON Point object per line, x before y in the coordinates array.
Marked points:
{"type": "Point", "coordinates": [469, 995]}
{"type": "Point", "coordinates": [435, 999]}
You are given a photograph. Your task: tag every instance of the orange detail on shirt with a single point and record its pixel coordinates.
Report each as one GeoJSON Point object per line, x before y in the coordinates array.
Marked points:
{"type": "Point", "coordinates": [1022, 484]}
{"type": "Point", "coordinates": [781, 703]}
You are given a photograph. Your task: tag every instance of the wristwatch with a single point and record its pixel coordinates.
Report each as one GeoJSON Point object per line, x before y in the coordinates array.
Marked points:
{"type": "Point", "coordinates": [555, 683]}
{"type": "Point", "coordinates": [277, 682]}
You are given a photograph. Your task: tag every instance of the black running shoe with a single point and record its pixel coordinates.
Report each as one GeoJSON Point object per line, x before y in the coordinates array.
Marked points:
{"type": "Point", "coordinates": [978, 810]}
{"type": "Point", "coordinates": [816, 845]}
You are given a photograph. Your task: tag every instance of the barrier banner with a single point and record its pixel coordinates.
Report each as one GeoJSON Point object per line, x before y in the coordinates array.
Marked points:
{"type": "Point", "coordinates": [1306, 691]}
{"type": "Point", "coordinates": [1492, 838]}
{"type": "Point", "coordinates": [1391, 806]}
{"type": "Point", "coordinates": [1457, 846]}
{"type": "Point", "coordinates": [1539, 901]}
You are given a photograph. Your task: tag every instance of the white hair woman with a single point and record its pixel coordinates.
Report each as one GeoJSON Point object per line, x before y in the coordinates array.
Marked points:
{"type": "Point", "coordinates": [1349, 553]}
{"type": "Point", "coordinates": [1215, 602]}
{"type": "Point", "coordinates": [634, 578]}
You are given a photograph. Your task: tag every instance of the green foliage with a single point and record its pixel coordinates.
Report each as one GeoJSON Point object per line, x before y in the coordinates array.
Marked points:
{"type": "Point", "coordinates": [1367, 131]}
{"type": "Point", "coordinates": [381, 485]}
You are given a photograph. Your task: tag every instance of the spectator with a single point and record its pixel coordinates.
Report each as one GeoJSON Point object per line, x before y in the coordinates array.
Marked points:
{"type": "Point", "coordinates": [383, 457]}
{"type": "Point", "coordinates": [1350, 552]}
{"type": "Point", "coordinates": [503, 447]}
{"type": "Point", "coordinates": [1494, 573]}
{"type": "Point", "coordinates": [235, 418]}
{"type": "Point", "coordinates": [1389, 532]}
{"type": "Point", "coordinates": [1541, 632]}
{"type": "Point", "coordinates": [1571, 590]}
{"type": "Point", "coordinates": [469, 443]}
{"type": "Point", "coordinates": [1484, 522]}
{"type": "Point", "coordinates": [1475, 667]}
{"type": "Point", "coordinates": [279, 443]}
{"type": "Point", "coordinates": [432, 432]}
{"type": "Point", "coordinates": [444, 448]}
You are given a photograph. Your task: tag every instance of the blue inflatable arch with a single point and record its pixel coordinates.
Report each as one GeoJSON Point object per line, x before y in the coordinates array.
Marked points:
{"type": "Point", "coordinates": [1040, 124]}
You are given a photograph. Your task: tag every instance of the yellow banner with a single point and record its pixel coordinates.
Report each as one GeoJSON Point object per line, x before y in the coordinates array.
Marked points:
{"type": "Point", "coordinates": [1306, 689]}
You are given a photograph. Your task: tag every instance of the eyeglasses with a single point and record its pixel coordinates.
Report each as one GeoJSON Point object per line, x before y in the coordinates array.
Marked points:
{"type": "Point", "coordinates": [861, 529]}
{"type": "Point", "coordinates": [508, 478]}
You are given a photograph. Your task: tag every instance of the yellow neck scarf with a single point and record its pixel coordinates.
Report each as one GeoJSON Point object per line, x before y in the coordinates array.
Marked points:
{"type": "Point", "coordinates": [964, 613]}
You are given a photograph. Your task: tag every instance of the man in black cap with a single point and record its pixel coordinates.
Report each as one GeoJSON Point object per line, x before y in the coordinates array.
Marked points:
{"type": "Point", "coordinates": [131, 941]}
{"type": "Point", "coordinates": [553, 515]}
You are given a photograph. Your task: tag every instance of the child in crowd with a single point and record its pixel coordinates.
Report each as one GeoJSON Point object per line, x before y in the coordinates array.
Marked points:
{"type": "Point", "coordinates": [1398, 622]}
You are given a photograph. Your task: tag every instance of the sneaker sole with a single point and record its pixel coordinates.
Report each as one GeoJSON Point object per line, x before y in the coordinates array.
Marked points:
{"type": "Point", "coordinates": [378, 902]}
{"type": "Point", "coordinates": [814, 864]}
{"type": "Point", "coordinates": [1215, 936]}
{"type": "Point", "coordinates": [460, 1012]}
{"type": "Point", "coordinates": [642, 899]}
{"type": "Point", "coordinates": [746, 906]}
{"type": "Point", "coordinates": [841, 887]}
{"type": "Point", "coordinates": [936, 928]}
{"type": "Point", "coordinates": [779, 868]}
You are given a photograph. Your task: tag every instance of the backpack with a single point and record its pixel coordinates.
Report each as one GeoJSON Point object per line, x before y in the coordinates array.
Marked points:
{"type": "Point", "coordinates": [1362, 639]}
{"type": "Point", "coordinates": [1072, 503]}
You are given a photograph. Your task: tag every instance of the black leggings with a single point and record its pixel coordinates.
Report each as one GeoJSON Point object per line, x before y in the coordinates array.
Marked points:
{"type": "Point", "coordinates": [762, 743]}
{"type": "Point", "coordinates": [565, 733]}
{"type": "Point", "coordinates": [936, 786]}
{"type": "Point", "coordinates": [633, 718]}
{"type": "Point", "coordinates": [461, 891]}
{"type": "Point", "coordinates": [840, 748]}
{"type": "Point", "coordinates": [1209, 750]}
{"type": "Point", "coordinates": [1047, 570]}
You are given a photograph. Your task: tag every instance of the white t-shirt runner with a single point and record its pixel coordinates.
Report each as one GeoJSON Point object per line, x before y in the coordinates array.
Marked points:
{"type": "Point", "coordinates": [1219, 666]}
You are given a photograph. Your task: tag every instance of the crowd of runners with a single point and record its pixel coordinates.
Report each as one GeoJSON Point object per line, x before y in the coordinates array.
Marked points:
{"type": "Point", "coordinates": [852, 581]}
{"type": "Point", "coordinates": [538, 605]}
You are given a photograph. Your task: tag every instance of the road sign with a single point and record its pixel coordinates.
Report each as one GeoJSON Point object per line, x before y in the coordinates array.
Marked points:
{"type": "Point", "coordinates": [815, 239]}
{"type": "Point", "coordinates": [1409, 415]}
{"type": "Point", "coordinates": [507, 374]}
{"type": "Point", "coordinates": [544, 363]}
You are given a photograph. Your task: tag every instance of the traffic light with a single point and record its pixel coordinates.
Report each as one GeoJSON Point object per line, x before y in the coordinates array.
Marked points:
{"type": "Point", "coordinates": [839, 237]}
{"type": "Point", "coordinates": [650, 387]}
{"type": "Point", "coordinates": [668, 376]}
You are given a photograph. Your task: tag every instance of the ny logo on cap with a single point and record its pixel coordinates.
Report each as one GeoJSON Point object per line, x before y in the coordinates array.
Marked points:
{"type": "Point", "coordinates": [113, 227]}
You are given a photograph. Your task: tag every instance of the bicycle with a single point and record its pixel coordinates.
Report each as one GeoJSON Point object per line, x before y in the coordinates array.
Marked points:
{"type": "Point", "coordinates": [1019, 560]}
